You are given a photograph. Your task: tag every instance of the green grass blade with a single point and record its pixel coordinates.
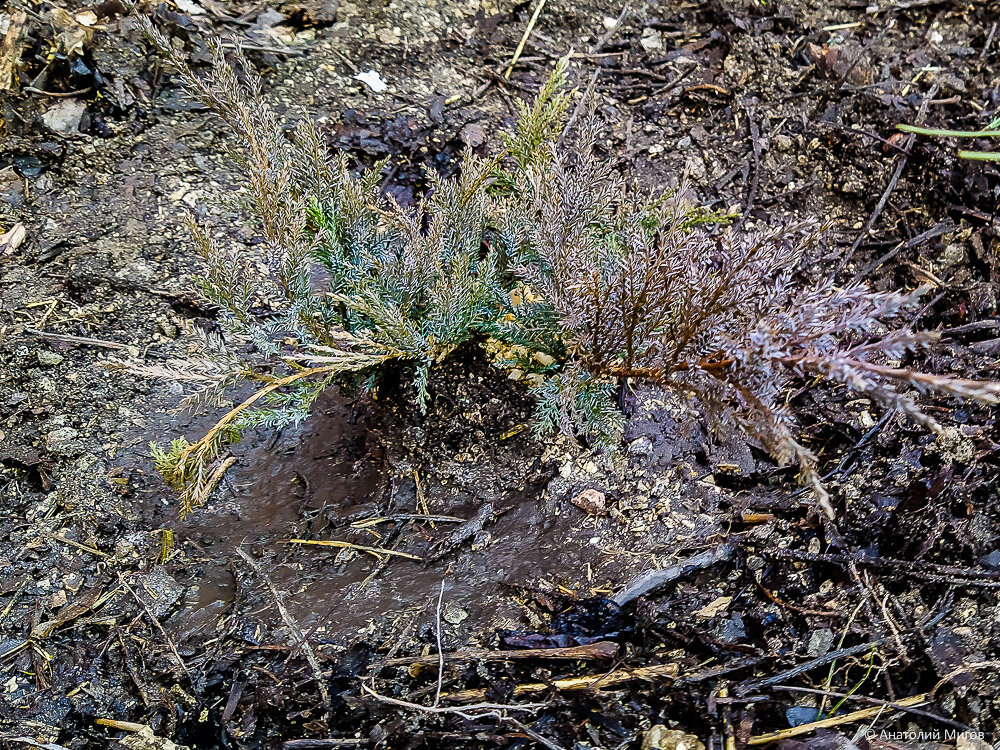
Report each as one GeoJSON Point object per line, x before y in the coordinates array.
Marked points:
{"type": "Point", "coordinates": [949, 133]}
{"type": "Point", "coordinates": [980, 155]}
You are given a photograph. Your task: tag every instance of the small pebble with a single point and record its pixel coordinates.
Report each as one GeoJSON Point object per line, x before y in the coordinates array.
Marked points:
{"type": "Point", "coordinates": [651, 40]}
{"type": "Point", "coordinates": [64, 441]}
{"type": "Point", "coordinates": [591, 501]}
{"type": "Point", "coordinates": [820, 642]}
{"type": "Point", "coordinates": [49, 359]}
{"type": "Point", "coordinates": [453, 614]}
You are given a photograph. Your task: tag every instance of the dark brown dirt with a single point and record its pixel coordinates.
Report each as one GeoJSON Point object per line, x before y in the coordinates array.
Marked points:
{"type": "Point", "coordinates": [785, 111]}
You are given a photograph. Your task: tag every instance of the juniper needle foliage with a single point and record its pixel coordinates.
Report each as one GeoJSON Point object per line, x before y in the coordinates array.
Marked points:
{"type": "Point", "coordinates": [556, 265]}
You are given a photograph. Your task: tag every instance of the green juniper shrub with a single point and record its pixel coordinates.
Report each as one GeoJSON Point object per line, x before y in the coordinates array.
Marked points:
{"type": "Point", "coordinates": [565, 274]}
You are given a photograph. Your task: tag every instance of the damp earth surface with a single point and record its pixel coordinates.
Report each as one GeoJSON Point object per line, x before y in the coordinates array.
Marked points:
{"type": "Point", "coordinates": [241, 625]}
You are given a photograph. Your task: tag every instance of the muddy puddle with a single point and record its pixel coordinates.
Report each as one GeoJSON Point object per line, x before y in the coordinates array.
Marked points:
{"type": "Point", "coordinates": [499, 537]}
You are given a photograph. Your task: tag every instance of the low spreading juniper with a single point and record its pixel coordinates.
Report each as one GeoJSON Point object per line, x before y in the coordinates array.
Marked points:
{"type": "Point", "coordinates": [561, 270]}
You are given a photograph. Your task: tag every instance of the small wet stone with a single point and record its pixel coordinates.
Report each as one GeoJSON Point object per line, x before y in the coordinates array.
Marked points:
{"type": "Point", "coordinates": [732, 630]}
{"type": "Point", "coordinates": [820, 642]}
{"type": "Point", "coordinates": [159, 591]}
{"type": "Point", "coordinates": [992, 560]}
{"type": "Point", "coordinates": [453, 614]}
{"type": "Point", "coordinates": [660, 738]}
{"type": "Point", "coordinates": [651, 40]}
{"type": "Point", "coordinates": [65, 116]}
{"type": "Point", "coordinates": [64, 441]}
{"type": "Point", "coordinates": [144, 739]}
{"type": "Point", "coordinates": [11, 188]}
{"type": "Point", "coordinates": [49, 359]}
{"type": "Point", "coordinates": [591, 501]}
{"type": "Point", "coordinates": [642, 446]}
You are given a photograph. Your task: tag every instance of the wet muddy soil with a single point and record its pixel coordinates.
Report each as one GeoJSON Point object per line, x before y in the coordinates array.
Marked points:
{"type": "Point", "coordinates": [503, 523]}
{"type": "Point", "coordinates": [219, 630]}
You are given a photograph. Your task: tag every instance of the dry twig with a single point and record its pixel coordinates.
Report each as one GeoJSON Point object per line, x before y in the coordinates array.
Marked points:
{"type": "Point", "coordinates": [893, 181]}
{"type": "Point", "coordinates": [166, 636]}
{"type": "Point", "coordinates": [524, 38]}
{"type": "Point", "coordinates": [601, 651]}
{"type": "Point", "coordinates": [609, 34]}
{"type": "Point", "coordinates": [121, 726]}
{"type": "Point", "coordinates": [293, 626]}
{"type": "Point", "coordinates": [437, 632]}
{"type": "Point", "coordinates": [81, 340]}
{"type": "Point", "coordinates": [470, 713]}
{"type": "Point", "coordinates": [752, 686]}
{"type": "Point", "coordinates": [575, 684]}
{"type": "Point", "coordinates": [833, 721]}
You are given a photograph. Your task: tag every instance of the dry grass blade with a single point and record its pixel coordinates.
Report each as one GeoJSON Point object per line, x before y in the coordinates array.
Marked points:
{"type": "Point", "coordinates": [524, 38]}
{"type": "Point", "coordinates": [378, 552]}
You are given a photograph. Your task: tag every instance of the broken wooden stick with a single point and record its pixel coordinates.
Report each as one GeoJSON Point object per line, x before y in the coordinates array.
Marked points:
{"type": "Point", "coordinates": [602, 650]}
{"type": "Point", "coordinates": [79, 340]}
{"type": "Point", "coordinates": [296, 630]}
{"type": "Point", "coordinates": [122, 726]}
{"type": "Point", "coordinates": [573, 684]}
